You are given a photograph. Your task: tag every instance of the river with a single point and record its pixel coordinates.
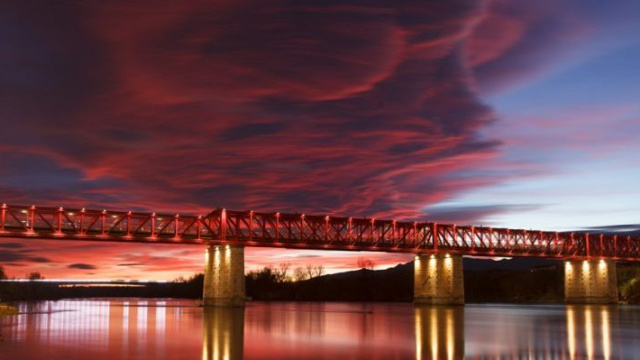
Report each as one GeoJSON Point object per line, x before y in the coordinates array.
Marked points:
{"type": "Point", "coordinates": [179, 329]}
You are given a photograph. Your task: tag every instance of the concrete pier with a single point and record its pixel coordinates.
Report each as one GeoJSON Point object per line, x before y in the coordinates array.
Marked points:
{"type": "Point", "coordinates": [590, 282]}
{"type": "Point", "coordinates": [438, 280]}
{"type": "Point", "coordinates": [224, 276]}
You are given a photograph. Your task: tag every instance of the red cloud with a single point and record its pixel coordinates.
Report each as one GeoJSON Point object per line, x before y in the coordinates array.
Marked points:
{"type": "Point", "coordinates": [351, 108]}
{"type": "Point", "coordinates": [517, 41]}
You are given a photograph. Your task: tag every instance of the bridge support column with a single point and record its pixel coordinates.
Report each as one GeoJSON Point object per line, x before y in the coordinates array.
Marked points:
{"type": "Point", "coordinates": [590, 282]}
{"type": "Point", "coordinates": [438, 280]}
{"type": "Point", "coordinates": [224, 276]}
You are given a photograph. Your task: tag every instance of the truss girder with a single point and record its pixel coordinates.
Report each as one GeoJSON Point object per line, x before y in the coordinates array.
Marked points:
{"type": "Point", "coordinates": [309, 231]}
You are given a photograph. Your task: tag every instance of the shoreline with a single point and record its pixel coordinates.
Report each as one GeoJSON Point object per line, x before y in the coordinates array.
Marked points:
{"type": "Point", "coordinates": [6, 310]}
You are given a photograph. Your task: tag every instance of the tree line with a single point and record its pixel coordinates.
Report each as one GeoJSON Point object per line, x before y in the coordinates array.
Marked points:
{"type": "Point", "coordinates": [29, 276]}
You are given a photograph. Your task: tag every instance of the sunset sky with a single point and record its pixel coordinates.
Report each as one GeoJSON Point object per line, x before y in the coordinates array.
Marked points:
{"type": "Point", "coordinates": [506, 113]}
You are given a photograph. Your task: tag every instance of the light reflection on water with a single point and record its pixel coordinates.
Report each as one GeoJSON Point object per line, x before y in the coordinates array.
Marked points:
{"type": "Point", "coordinates": [159, 329]}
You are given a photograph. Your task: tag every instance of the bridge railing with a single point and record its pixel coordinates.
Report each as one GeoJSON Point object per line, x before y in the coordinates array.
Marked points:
{"type": "Point", "coordinates": [308, 231]}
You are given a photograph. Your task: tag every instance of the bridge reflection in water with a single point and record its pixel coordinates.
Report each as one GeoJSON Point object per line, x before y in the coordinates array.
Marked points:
{"type": "Point", "coordinates": [222, 333]}
{"type": "Point", "coordinates": [571, 333]}
{"type": "Point", "coordinates": [439, 332]}
{"type": "Point", "coordinates": [589, 332]}
{"type": "Point", "coordinates": [178, 329]}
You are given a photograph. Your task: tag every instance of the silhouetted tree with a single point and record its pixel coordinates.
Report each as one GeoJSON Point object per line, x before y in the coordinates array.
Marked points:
{"type": "Point", "coordinates": [364, 263]}
{"type": "Point", "coordinates": [314, 271]}
{"type": "Point", "coordinates": [34, 276]}
{"type": "Point", "coordinates": [263, 284]}
{"type": "Point", "coordinates": [299, 274]}
{"type": "Point", "coordinates": [282, 272]}
{"type": "Point", "coordinates": [3, 275]}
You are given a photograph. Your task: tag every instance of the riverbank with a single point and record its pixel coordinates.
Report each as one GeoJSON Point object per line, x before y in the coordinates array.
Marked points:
{"type": "Point", "coordinates": [7, 310]}
{"type": "Point", "coordinates": [517, 281]}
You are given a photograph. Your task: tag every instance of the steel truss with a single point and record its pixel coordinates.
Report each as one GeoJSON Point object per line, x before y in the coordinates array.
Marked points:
{"type": "Point", "coordinates": [249, 228]}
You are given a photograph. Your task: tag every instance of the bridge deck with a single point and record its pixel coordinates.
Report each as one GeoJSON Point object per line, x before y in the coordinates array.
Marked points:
{"type": "Point", "coordinates": [301, 231]}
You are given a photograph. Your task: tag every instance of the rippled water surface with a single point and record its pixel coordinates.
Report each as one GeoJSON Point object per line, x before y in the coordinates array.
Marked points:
{"type": "Point", "coordinates": [158, 329]}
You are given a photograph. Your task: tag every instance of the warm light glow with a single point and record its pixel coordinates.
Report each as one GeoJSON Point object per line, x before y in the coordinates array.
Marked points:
{"type": "Point", "coordinates": [205, 352]}
{"type": "Point", "coordinates": [434, 333]}
{"type": "Point", "coordinates": [585, 265]}
{"type": "Point", "coordinates": [216, 345]}
{"type": "Point", "coordinates": [602, 265]}
{"type": "Point", "coordinates": [450, 334]}
{"type": "Point", "coordinates": [227, 343]}
{"type": "Point", "coordinates": [568, 267]}
{"type": "Point", "coordinates": [571, 333]}
{"type": "Point", "coordinates": [588, 332]}
{"type": "Point", "coordinates": [418, 333]}
{"type": "Point", "coordinates": [606, 334]}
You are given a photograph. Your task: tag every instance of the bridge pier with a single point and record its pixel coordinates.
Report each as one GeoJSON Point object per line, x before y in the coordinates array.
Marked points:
{"type": "Point", "coordinates": [590, 282]}
{"type": "Point", "coordinates": [224, 276]}
{"type": "Point", "coordinates": [438, 280]}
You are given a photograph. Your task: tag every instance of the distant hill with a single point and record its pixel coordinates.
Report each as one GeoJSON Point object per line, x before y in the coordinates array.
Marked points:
{"type": "Point", "coordinates": [473, 264]}
{"type": "Point", "coordinates": [522, 280]}
{"type": "Point", "coordinates": [509, 280]}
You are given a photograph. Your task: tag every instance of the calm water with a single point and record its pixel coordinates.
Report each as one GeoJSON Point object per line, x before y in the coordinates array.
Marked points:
{"type": "Point", "coordinates": [143, 329]}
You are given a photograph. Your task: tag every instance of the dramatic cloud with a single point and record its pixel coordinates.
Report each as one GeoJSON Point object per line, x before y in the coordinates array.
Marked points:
{"type": "Point", "coordinates": [518, 41]}
{"type": "Point", "coordinates": [464, 214]}
{"type": "Point", "coordinates": [82, 266]}
{"type": "Point", "coordinates": [112, 260]}
{"type": "Point", "coordinates": [344, 107]}
{"type": "Point", "coordinates": [357, 107]}
{"type": "Point", "coordinates": [626, 229]}
{"type": "Point", "coordinates": [11, 246]}
{"type": "Point", "coordinates": [20, 258]}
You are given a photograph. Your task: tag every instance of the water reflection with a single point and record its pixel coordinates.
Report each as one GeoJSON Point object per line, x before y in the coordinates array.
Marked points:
{"type": "Point", "coordinates": [589, 332]}
{"type": "Point", "coordinates": [550, 332]}
{"type": "Point", "coordinates": [439, 332]}
{"type": "Point", "coordinates": [136, 329]}
{"type": "Point", "coordinates": [222, 334]}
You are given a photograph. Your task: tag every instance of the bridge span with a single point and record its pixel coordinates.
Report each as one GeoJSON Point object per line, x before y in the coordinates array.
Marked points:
{"type": "Point", "coordinates": [589, 258]}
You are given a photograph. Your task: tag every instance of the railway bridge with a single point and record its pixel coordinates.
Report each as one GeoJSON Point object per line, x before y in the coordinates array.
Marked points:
{"type": "Point", "coordinates": [589, 259]}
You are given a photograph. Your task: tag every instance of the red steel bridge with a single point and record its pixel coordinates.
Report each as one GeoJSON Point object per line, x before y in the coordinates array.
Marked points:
{"type": "Point", "coordinates": [300, 231]}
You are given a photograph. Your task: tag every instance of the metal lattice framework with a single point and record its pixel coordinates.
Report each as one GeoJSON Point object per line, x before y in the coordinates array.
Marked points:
{"type": "Point", "coordinates": [249, 228]}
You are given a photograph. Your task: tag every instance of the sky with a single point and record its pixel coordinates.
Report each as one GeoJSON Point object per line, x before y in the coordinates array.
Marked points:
{"type": "Point", "coordinates": [498, 112]}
